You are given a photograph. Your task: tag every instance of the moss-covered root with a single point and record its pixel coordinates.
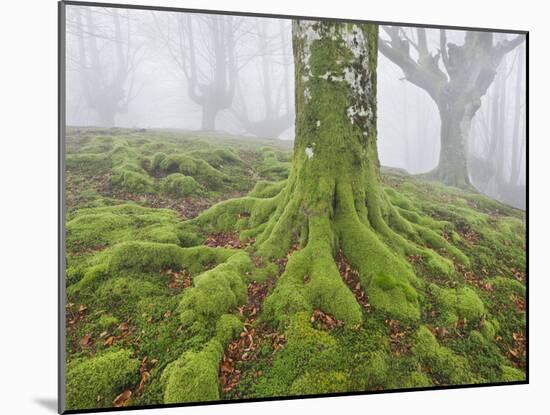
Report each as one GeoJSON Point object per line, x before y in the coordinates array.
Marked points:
{"type": "Point", "coordinates": [215, 292]}
{"type": "Point", "coordinates": [194, 376]}
{"type": "Point", "coordinates": [388, 278]}
{"type": "Point", "coordinates": [312, 281]}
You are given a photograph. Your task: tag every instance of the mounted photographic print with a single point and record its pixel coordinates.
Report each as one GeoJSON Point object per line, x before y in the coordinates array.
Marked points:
{"type": "Point", "coordinates": [260, 207]}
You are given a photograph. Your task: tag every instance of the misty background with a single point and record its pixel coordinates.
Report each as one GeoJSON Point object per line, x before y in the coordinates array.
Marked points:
{"type": "Point", "coordinates": [231, 74]}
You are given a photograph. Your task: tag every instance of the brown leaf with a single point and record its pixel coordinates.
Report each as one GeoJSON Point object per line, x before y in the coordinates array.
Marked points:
{"type": "Point", "coordinates": [110, 340]}
{"type": "Point", "coordinates": [86, 341]}
{"type": "Point", "coordinates": [122, 399]}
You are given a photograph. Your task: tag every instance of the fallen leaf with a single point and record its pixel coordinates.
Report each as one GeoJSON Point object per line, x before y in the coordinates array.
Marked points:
{"type": "Point", "coordinates": [122, 399]}
{"type": "Point", "coordinates": [86, 341]}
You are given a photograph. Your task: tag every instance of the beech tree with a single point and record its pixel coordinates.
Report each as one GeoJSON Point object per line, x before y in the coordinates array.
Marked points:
{"type": "Point", "coordinates": [107, 80]}
{"type": "Point", "coordinates": [455, 77]}
{"type": "Point", "coordinates": [277, 109]}
{"type": "Point", "coordinates": [210, 69]}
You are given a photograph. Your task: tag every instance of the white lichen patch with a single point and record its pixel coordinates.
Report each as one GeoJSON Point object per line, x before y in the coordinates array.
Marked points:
{"type": "Point", "coordinates": [360, 111]}
{"type": "Point", "coordinates": [309, 32]}
{"type": "Point", "coordinates": [307, 94]}
{"type": "Point", "coordinates": [354, 40]}
{"type": "Point", "coordinates": [309, 152]}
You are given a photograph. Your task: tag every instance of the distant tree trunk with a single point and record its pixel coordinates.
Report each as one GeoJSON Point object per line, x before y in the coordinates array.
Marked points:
{"type": "Point", "coordinates": [213, 91]}
{"type": "Point", "coordinates": [209, 114]}
{"type": "Point", "coordinates": [517, 134]}
{"type": "Point", "coordinates": [106, 117]}
{"type": "Point", "coordinates": [456, 119]}
{"type": "Point", "coordinates": [277, 110]}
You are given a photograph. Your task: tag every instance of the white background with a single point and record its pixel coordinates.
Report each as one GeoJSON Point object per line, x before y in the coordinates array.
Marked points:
{"type": "Point", "coordinates": [28, 203]}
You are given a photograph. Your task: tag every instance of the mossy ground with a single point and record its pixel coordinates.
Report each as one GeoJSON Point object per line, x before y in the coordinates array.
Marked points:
{"type": "Point", "coordinates": [146, 295]}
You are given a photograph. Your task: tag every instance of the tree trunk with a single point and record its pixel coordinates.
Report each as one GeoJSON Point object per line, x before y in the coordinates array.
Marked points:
{"type": "Point", "coordinates": [106, 118]}
{"type": "Point", "coordinates": [335, 145]}
{"type": "Point", "coordinates": [209, 114]}
{"type": "Point", "coordinates": [452, 168]}
{"type": "Point", "coordinates": [516, 146]}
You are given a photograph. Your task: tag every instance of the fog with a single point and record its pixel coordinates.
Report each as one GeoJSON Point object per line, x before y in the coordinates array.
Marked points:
{"type": "Point", "coordinates": [153, 69]}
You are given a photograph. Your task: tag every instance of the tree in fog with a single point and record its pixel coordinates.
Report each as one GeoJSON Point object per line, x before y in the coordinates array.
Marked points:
{"type": "Point", "coordinates": [106, 78]}
{"type": "Point", "coordinates": [455, 77]}
{"type": "Point", "coordinates": [496, 162]}
{"type": "Point", "coordinates": [274, 53]}
{"type": "Point", "coordinates": [203, 48]}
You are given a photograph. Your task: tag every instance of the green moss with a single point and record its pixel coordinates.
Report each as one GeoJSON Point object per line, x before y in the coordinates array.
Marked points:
{"type": "Point", "coordinates": [194, 376]}
{"type": "Point", "coordinates": [107, 321]}
{"type": "Point", "coordinates": [445, 366]}
{"type": "Point", "coordinates": [394, 297]}
{"type": "Point", "coordinates": [95, 382]}
{"type": "Point", "coordinates": [508, 286]}
{"type": "Point", "coordinates": [227, 328]}
{"type": "Point", "coordinates": [490, 329]}
{"type": "Point", "coordinates": [88, 163]}
{"type": "Point", "coordinates": [105, 226]}
{"type": "Point", "coordinates": [215, 292]}
{"type": "Point", "coordinates": [376, 370]}
{"type": "Point", "coordinates": [131, 181]}
{"type": "Point", "coordinates": [145, 256]}
{"type": "Point", "coordinates": [203, 172]}
{"type": "Point", "coordinates": [177, 184]}
{"type": "Point", "coordinates": [136, 258]}
{"type": "Point", "coordinates": [156, 160]}
{"type": "Point", "coordinates": [116, 253]}
{"type": "Point", "coordinates": [453, 304]}
{"type": "Point", "coordinates": [123, 294]}
{"type": "Point", "coordinates": [304, 343]}
{"type": "Point", "coordinates": [511, 374]}
{"type": "Point", "coordinates": [265, 189]}
{"type": "Point", "coordinates": [321, 383]}
{"type": "Point", "coordinates": [417, 380]}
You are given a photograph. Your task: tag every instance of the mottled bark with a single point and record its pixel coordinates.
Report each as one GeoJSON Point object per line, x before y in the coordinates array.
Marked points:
{"type": "Point", "coordinates": [335, 142]}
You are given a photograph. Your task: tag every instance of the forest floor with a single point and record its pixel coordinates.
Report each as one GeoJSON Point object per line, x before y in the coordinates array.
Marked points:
{"type": "Point", "coordinates": [139, 303]}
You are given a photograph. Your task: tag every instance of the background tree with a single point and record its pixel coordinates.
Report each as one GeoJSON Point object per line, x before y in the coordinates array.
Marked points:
{"type": "Point", "coordinates": [496, 160]}
{"type": "Point", "coordinates": [210, 68]}
{"type": "Point", "coordinates": [106, 60]}
{"type": "Point", "coordinates": [455, 77]}
{"type": "Point", "coordinates": [273, 52]}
